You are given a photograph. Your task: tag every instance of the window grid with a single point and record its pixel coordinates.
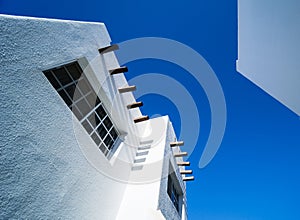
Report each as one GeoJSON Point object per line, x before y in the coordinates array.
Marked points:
{"type": "Point", "coordinates": [78, 94]}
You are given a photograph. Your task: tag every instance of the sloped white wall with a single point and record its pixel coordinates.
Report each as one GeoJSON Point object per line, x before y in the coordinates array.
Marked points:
{"type": "Point", "coordinates": [47, 170]}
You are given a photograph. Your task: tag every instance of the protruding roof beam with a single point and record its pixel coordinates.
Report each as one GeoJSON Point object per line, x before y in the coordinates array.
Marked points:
{"type": "Point", "coordinates": [176, 143]}
{"type": "Point", "coordinates": [189, 178]}
{"type": "Point", "coordinates": [135, 105]}
{"type": "Point", "coordinates": [127, 89]}
{"type": "Point", "coordinates": [183, 163]}
{"type": "Point", "coordinates": [108, 48]}
{"type": "Point", "coordinates": [122, 69]}
{"type": "Point", "coordinates": [186, 171]}
{"type": "Point", "coordinates": [142, 118]}
{"type": "Point", "coordinates": [180, 154]}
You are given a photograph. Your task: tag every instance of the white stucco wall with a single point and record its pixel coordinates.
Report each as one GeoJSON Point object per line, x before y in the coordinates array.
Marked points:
{"type": "Point", "coordinates": [50, 168]}
{"type": "Point", "coordinates": [268, 47]}
{"type": "Point", "coordinates": [45, 171]}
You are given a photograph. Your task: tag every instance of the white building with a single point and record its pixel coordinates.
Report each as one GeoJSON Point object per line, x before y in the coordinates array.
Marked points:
{"type": "Point", "coordinates": [268, 48]}
{"type": "Point", "coordinates": [74, 144]}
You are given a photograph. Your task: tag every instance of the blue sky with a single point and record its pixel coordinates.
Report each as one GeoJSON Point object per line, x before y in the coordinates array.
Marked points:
{"type": "Point", "coordinates": [255, 174]}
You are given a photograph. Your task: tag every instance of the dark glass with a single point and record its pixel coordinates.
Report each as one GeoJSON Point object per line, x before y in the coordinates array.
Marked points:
{"type": "Point", "coordinates": [62, 76]}
{"type": "Point", "coordinates": [96, 138]}
{"type": "Point", "coordinates": [83, 106]}
{"type": "Point", "coordinates": [84, 86]}
{"type": "Point", "coordinates": [75, 70]}
{"type": "Point", "coordinates": [87, 126]}
{"type": "Point", "coordinates": [107, 123]}
{"type": "Point", "coordinates": [108, 142]}
{"type": "Point", "coordinates": [70, 90]}
{"type": "Point", "coordinates": [100, 111]}
{"type": "Point", "coordinates": [103, 149]}
{"type": "Point", "coordinates": [91, 98]}
{"type": "Point", "coordinates": [64, 96]}
{"type": "Point", "coordinates": [77, 113]}
{"type": "Point", "coordinates": [172, 192]}
{"type": "Point", "coordinates": [114, 134]}
{"type": "Point", "coordinates": [101, 131]}
{"type": "Point", "coordinates": [52, 79]}
{"type": "Point", "coordinates": [92, 119]}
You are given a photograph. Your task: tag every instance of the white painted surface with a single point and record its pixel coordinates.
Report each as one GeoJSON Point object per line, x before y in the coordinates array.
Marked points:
{"type": "Point", "coordinates": [146, 197]}
{"type": "Point", "coordinates": [268, 47]}
{"type": "Point", "coordinates": [50, 168]}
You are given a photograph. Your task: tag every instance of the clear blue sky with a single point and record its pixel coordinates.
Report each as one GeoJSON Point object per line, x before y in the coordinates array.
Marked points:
{"type": "Point", "coordinates": [255, 174]}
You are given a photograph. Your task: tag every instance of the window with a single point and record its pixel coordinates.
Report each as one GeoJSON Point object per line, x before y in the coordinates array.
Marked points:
{"type": "Point", "coordinates": [174, 191]}
{"type": "Point", "coordinates": [75, 89]}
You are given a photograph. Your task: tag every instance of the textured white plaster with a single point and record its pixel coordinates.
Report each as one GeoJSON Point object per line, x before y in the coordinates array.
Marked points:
{"type": "Point", "coordinates": [44, 174]}
{"type": "Point", "coordinates": [49, 166]}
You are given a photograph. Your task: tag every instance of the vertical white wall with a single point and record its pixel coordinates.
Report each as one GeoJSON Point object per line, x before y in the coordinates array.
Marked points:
{"type": "Point", "coordinates": [165, 204]}
{"type": "Point", "coordinates": [268, 47]}
{"type": "Point", "coordinates": [146, 196]}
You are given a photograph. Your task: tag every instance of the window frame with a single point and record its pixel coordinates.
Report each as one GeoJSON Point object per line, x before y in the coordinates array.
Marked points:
{"type": "Point", "coordinates": [175, 189]}
{"type": "Point", "coordinates": [108, 149]}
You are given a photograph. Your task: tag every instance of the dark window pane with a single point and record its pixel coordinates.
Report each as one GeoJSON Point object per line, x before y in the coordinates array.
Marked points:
{"type": "Point", "coordinates": [77, 113]}
{"type": "Point", "coordinates": [75, 70]}
{"type": "Point", "coordinates": [103, 149]}
{"type": "Point", "coordinates": [83, 106]}
{"type": "Point", "coordinates": [70, 90]}
{"type": "Point", "coordinates": [97, 100]}
{"type": "Point", "coordinates": [169, 186]}
{"type": "Point", "coordinates": [91, 98]}
{"type": "Point", "coordinates": [114, 134]}
{"type": "Point", "coordinates": [101, 131]}
{"type": "Point", "coordinates": [84, 86]}
{"type": "Point", "coordinates": [67, 100]}
{"type": "Point", "coordinates": [97, 119]}
{"type": "Point", "coordinates": [96, 138]}
{"type": "Point", "coordinates": [87, 126]}
{"type": "Point", "coordinates": [100, 111]}
{"type": "Point", "coordinates": [77, 95]}
{"type": "Point", "coordinates": [107, 123]}
{"type": "Point", "coordinates": [108, 142]}
{"type": "Point", "coordinates": [172, 192]}
{"type": "Point", "coordinates": [92, 120]}
{"type": "Point", "coordinates": [62, 75]}
{"type": "Point", "coordinates": [52, 79]}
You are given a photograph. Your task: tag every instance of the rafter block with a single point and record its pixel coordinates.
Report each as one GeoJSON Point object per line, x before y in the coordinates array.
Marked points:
{"type": "Point", "coordinates": [183, 163]}
{"type": "Point", "coordinates": [186, 171]}
{"type": "Point", "coordinates": [108, 49]}
{"type": "Point", "coordinates": [190, 178]}
{"type": "Point", "coordinates": [142, 118]}
{"type": "Point", "coordinates": [176, 143]}
{"type": "Point", "coordinates": [127, 89]}
{"type": "Point", "coordinates": [180, 154]}
{"type": "Point", "coordinates": [122, 69]}
{"type": "Point", "coordinates": [135, 105]}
